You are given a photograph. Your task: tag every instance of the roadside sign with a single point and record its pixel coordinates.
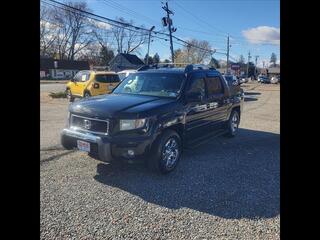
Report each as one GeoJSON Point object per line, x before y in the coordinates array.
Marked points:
{"type": "Point", "coordinates": [235, 66]}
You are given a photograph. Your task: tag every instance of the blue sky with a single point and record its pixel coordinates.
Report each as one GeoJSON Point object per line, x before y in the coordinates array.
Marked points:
{"type": "Point", "coordinates": [209, 20]}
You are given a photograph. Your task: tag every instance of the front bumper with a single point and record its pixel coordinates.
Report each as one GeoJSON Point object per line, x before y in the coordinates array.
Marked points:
{"type": "Point", "coordinates": [107, 148]}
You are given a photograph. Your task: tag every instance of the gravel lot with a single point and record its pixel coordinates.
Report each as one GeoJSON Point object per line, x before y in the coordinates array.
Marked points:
{"type": "Point", "coordinates": [224, 189]}
{"type": "Point", "coordinates": [52, 87]}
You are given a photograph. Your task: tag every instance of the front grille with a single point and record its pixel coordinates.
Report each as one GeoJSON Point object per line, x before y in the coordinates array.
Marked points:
{"type": "Point", "coordinates": [90, 124]}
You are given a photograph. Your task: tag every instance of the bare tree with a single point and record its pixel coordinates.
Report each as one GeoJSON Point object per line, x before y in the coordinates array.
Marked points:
{"type": "Point", "coordinates": [194, 52]}
{"type": "Point", "coordinates": [199, 51]}
{"type": "Point", "coordinates": [66, 33]}
{"type": "Point", "coordinates": [73, 31]}
{"type": "Point", "coordinates": [103, 34]}
{"type": "Point", "coordinates": [48, 31]}
{"type": "Point", "coordinates": [128, 40]}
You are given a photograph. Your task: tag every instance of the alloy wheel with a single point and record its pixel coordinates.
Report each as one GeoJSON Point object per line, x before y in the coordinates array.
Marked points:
{"type": "Point", "coordinates": [170, 153]}
{"type": "Point", "coordinates": [235, 122]}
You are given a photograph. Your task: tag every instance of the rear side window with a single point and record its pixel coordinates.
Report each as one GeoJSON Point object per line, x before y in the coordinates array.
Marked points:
{"type": "Point", "coordinates": [197, 85]}
{"type": "Point", "coordinates": [214, 85]}
{"type": "Point", "coordinates": [107, 78]}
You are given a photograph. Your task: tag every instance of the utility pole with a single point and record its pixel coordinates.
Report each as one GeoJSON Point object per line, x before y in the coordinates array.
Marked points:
{"type": "Point", "coordinates": [249, 57]}
{"type": "Point", "coordinates": [228, 46]}
{"type": "Point", "coordinates": [147, 62]}
{"type": "Point", "coordinates": [169, 21]}
{"type": "Point", "coordinates": [255, 67]}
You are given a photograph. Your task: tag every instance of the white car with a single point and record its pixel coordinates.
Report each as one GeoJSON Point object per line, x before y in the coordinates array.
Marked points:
{"type": "Point", "coordinates": [274, 80]}
{"type": "Point", "coordinates": [125, 73]}
{"type": "Point", "coordinates": [243, 79]}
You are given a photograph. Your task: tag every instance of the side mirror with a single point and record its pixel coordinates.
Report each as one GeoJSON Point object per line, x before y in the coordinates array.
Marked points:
{"type": "Point", "coordinates": [194, 97]}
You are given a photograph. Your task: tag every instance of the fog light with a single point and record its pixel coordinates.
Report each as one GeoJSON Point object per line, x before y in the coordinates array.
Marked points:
{"type": "Point", "coordinates": [131, 153]}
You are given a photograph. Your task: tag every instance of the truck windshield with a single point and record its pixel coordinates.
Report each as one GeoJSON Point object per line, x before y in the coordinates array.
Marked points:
{"type": "Point", "coordinates": [152, 84]}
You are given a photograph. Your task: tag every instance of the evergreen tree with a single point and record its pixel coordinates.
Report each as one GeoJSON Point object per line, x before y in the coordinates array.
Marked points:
{"type": "Point", "coordinates": [241, 59]}
{"type": "Point", "coordinates": [273, 59]}
{"type": "Point", "coordinates": [156, 58]}
{"type": "Point", "coordinates": [106, 55]}
{"type": "Point", "coordinates": [149, 58]}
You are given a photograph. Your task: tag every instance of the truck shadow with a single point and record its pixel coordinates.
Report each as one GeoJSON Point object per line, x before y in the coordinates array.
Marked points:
{"type": "Point", "coordinates": [251, 93]}
{"type": "Point", "coordinates": [230, 178]}
{"type": "Point", "coordinates": [250, 99]}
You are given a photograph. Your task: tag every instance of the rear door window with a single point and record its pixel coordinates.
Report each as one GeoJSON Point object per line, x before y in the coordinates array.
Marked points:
{"type": "Point", "coordinates": [214, 86]}
{"type": "Point", "coordinates": [107, 78]}
{"type": "Point", "coordinates": [197, 86]}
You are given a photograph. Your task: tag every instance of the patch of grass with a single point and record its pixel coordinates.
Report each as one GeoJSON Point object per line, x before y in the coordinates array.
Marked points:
{"type": "Point", "coordinates": [58, 95]}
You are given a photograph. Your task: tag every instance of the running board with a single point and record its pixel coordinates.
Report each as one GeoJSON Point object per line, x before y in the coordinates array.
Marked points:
{"type": "Point", "coordinates": [205, 139]}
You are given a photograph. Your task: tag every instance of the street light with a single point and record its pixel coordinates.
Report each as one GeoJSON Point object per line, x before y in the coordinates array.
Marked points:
{"type": "Point", "coordinates": [151, 29]}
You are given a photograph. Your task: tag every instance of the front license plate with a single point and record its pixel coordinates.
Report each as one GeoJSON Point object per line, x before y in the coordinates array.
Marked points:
{"type": "Point", "coordinates": [83, 146]}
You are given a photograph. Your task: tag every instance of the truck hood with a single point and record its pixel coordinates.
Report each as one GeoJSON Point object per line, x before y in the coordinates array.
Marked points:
{"type": "Point", "coordinates": [119, 105]}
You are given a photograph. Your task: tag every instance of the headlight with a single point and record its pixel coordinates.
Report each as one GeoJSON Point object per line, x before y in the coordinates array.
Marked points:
{"type": "Point", "coordinates": [129, 124]}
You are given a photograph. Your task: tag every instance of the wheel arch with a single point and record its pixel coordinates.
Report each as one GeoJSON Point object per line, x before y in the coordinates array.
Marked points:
{"type": "Point", "coordinates": [179, 129]}
{"type": "Point", "coordinates": [86, 91]}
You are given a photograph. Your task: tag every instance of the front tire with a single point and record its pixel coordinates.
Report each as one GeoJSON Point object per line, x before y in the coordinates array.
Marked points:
{"type": "Point", "coordinates": [165, 152]}
{"type": "Point", "coordinates": [69, 95]}
{"type": "Point", "coordinates": [233, 123]}
{"type": "Point", "coordinates": [86, 95]}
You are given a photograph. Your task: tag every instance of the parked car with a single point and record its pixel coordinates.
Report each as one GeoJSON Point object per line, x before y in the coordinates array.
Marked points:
{"type": "Point", "coordinates": [274, 80]}
{"type": "Point", "coordinates": [263, 79]}
{"type": "Point", "coordinates": [152, 115]}
{"type": "Point", "coordinates": [243, 79]}
{"type": "Point", "coordinates": [125, 73]}
{"type": "Point", "coordinates": [91, 83]}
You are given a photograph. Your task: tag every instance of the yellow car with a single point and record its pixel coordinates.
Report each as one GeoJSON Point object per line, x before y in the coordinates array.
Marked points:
{"type": "Point", "coordinates": [91, 83]}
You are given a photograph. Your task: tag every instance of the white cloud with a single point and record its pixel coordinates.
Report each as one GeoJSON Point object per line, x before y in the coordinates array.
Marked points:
{"type": "Point", "coordinates": [101, 25]}
{"type": "Point", "coordinates": [263, 34]}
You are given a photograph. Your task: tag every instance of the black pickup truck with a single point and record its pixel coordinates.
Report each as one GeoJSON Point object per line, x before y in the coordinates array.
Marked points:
{"type": "Point", "coordinates": [153, 114]}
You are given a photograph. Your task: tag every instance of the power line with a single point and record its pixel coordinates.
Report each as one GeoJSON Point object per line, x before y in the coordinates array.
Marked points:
{"type": "Point", "coordinates": [112, 22]}
{"type": "Point", "coordinates": [127, 11]}
{"type": "Point", "coordinates": [88, 14]}
{"type": "Point", "coordinates": [199, 19]}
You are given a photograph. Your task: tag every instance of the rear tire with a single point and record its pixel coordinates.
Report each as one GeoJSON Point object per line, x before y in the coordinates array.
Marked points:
{"type": "Point", "coordinates": [165, 152]}
{"type": "Point", "coordinates": [233, 123]}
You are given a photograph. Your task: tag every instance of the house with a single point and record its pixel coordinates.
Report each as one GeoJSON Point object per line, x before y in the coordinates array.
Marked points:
{"type": "Point", "coordinates": [53, 69]}
{"type": "Point", "coordinates": [124, 61]}
{"type": "Point", "coordinates": [273, 71]}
